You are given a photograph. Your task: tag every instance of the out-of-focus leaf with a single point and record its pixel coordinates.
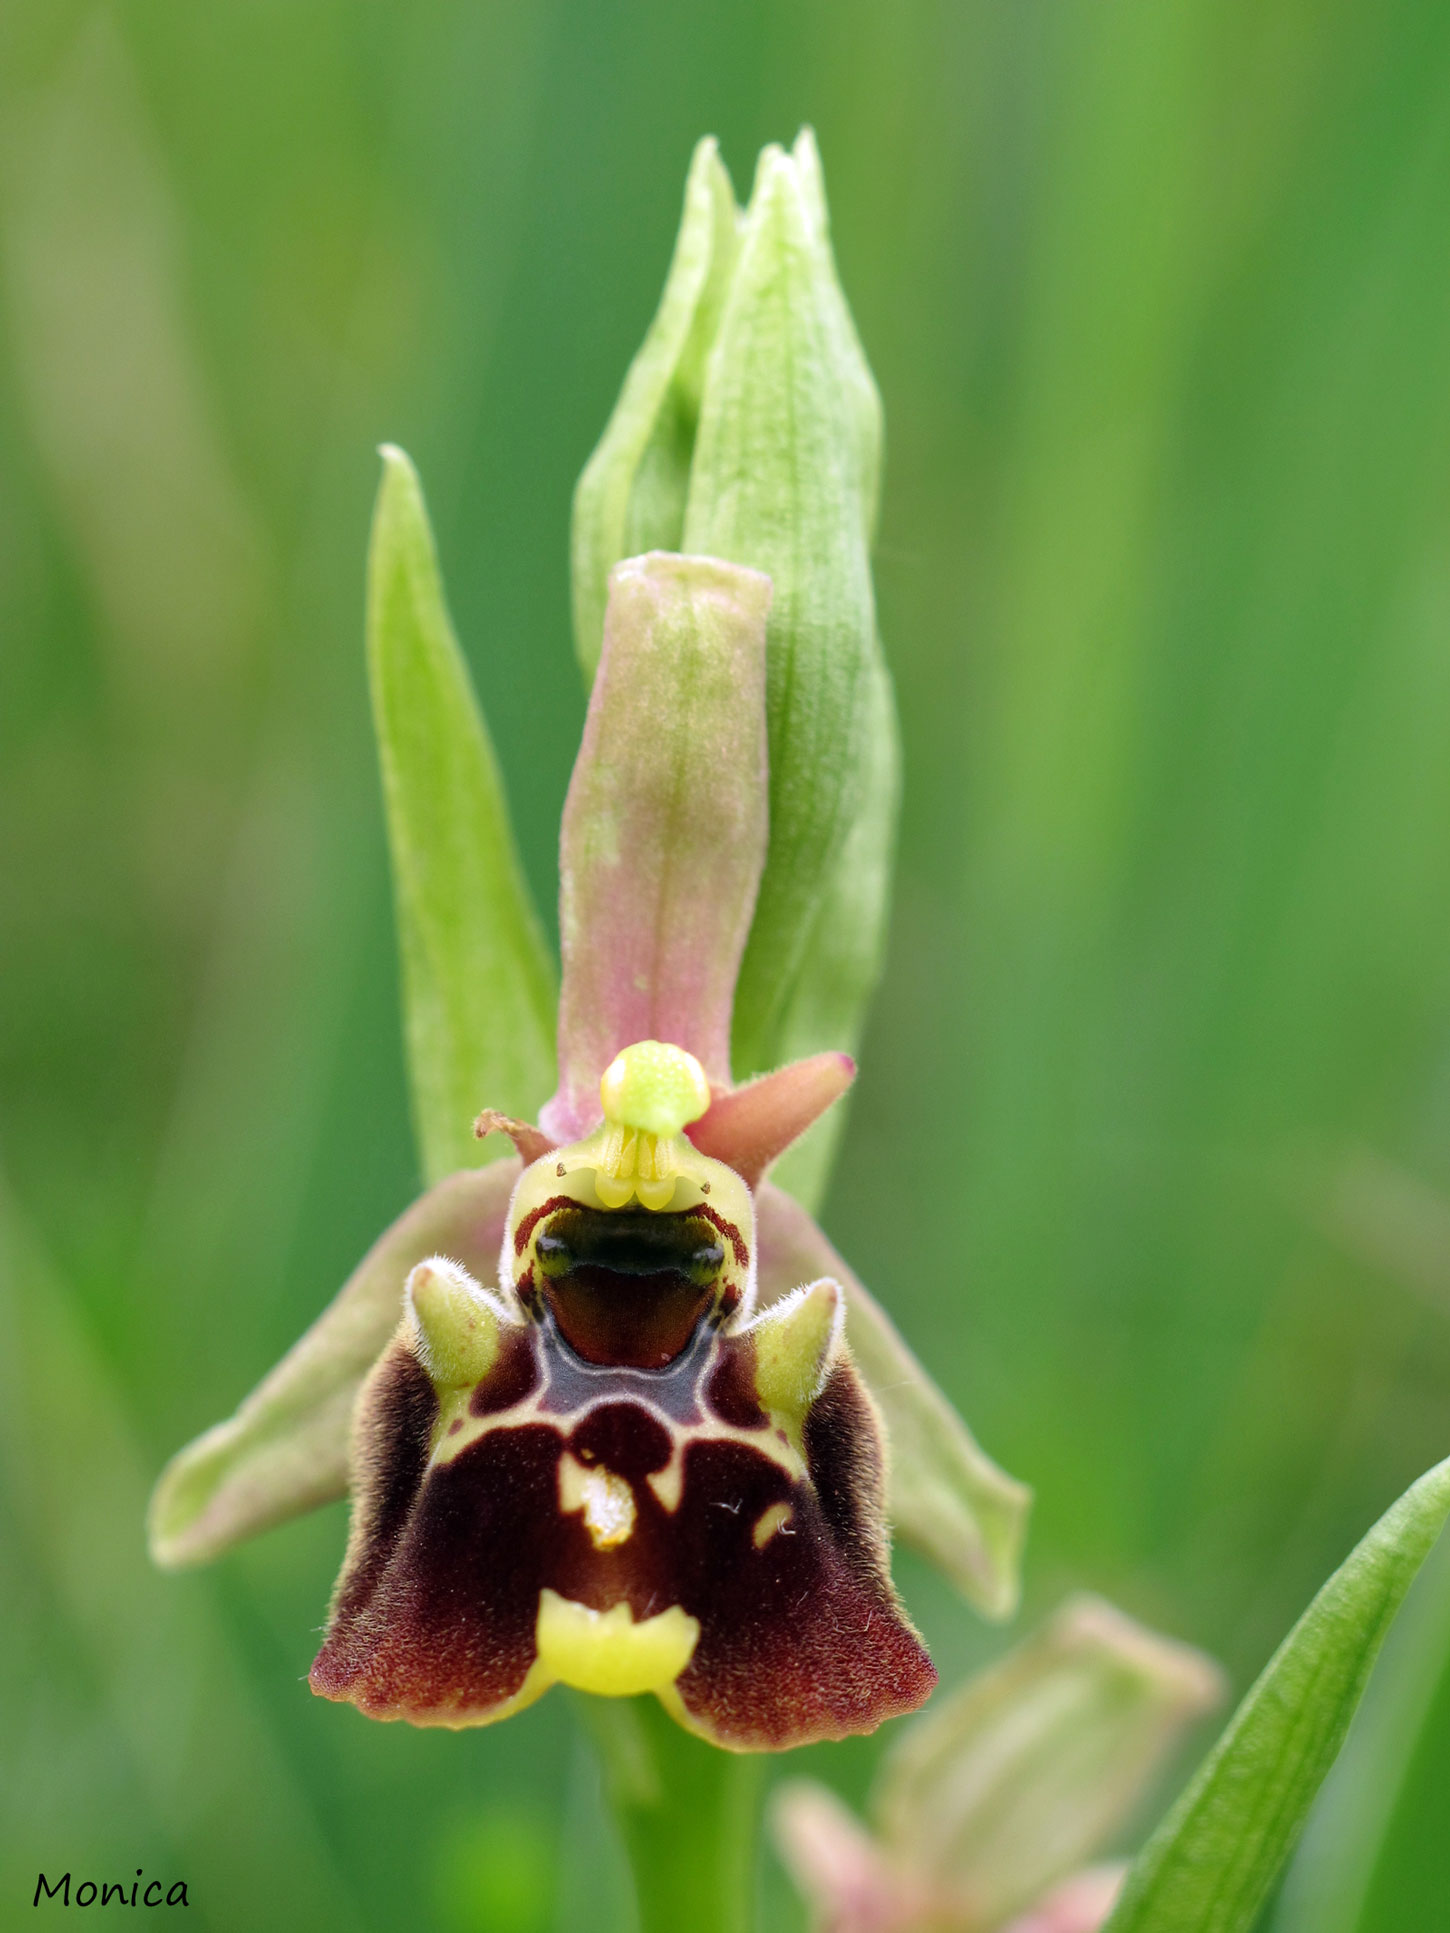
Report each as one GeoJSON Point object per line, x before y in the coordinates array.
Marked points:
{"type": "Point", "coordinates": [1375, 1856]}
{"type": "Point", "coordinates": [285, 1450]}
{"type": "Point", "coordinates": [840, 1868]}
{"type": "Point", "coordinates": [986, 1805]}
{"type": "Point", "coordinates": [944, 1493]}
{"type": "Point", "coordinates": [789, 433]}
{"type": "Point", "coordinates": [221, 1789]}
{"type": "Point", "coordinates": [1209, 1867]}
{"type": "Point", "coordinates": [664, 827]}
{"type": "Point", "coordinates": [1028, 1770]}
{"type": "Point", "coordinates": [478, 985]}
{"type": "Point", "coordinates": [631, 495]}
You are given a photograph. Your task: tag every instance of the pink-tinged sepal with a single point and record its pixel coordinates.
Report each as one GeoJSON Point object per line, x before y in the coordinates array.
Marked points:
{"type": "Point", "coordinates": [664, 833]}
{"type": "Point", "coordinates": [752, 1126]}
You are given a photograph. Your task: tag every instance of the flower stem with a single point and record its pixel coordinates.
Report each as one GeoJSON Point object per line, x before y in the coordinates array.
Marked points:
{"type": "Point", "coordinates": [687, 1814]}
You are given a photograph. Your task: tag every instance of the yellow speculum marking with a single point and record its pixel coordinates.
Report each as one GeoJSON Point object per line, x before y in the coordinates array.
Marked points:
{"type": "Point", "coordinates": [768, 1523]}
{"type": "Point", "coordinates": [607, 1652]}
{"type": "Point", "coordinates": [606, 1501]}
{"type": "Point", "coordinates": [669, 1484]}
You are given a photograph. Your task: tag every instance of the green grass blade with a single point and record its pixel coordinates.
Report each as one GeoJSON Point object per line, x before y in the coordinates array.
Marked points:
{"type": "Point", "coordinates": [478, 986]}
{"type": "Point", "coordinates": [1209, 1867]}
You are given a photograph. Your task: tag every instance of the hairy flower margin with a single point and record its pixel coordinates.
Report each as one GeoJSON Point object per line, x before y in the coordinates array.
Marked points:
{"type": "Point", "coordinates": [612, 1411]}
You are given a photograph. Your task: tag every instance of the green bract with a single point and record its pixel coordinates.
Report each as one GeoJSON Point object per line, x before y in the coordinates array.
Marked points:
{"type": "Point", "coordinates": [749, 428]}
{"type": "Point", "coordinates": [631, 496]}
{"type": "Point", "coordinates": [478, 987]}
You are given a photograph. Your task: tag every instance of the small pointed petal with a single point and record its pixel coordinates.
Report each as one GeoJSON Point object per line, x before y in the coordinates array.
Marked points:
{"type": "Point", "coordinates": [530, 1143]}
{"type": "Point", "coordinates": [1032, 1765]}
{"type": "Point", "coordinates": [631, 496]}
{"type": "Point", "coordinates": [946, 1498]}
{"type": "Point", "coordinates": [1079, 1905]}
{"type": "Point", "coordinates": [839, 1868]}
{"type": "Point", "coordinates": [286, 1449]}
{"type": "Point", "coordinates": [478, 985]}
{"type": "Point", "coordinates": [664, 827]}
{"type": "Point", "coordinates": [751, 1126]}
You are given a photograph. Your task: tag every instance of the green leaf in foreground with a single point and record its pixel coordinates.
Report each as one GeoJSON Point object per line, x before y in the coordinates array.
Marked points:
{"type": "Point", "coordinates": [478, 985]}
{"type": "Point", "coordinates": [1210, 1865]}
{"type": "Point", "coordinates": [1375, 1857]}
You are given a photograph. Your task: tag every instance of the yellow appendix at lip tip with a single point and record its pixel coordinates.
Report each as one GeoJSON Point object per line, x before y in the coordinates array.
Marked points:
{"type": "Point", "coordinates": [606, 1652]}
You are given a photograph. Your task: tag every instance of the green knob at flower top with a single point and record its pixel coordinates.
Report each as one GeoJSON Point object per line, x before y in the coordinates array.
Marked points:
{"type": "Point", "coordinates": [654, 1088]}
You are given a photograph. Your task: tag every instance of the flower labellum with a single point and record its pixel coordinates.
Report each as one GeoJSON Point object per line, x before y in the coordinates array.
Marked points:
{"type": "Point", "coordinates": [613, 1474]}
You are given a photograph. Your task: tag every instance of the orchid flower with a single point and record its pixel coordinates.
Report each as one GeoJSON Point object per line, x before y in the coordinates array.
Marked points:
{"type": "Point", "coordinates": [987, 1809]}
{"type": "Point", "coordinates": [611, 1410]}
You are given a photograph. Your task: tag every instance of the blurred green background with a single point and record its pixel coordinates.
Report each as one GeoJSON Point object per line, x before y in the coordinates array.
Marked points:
{"type": "Point", "coordinates": [1151, 1152]}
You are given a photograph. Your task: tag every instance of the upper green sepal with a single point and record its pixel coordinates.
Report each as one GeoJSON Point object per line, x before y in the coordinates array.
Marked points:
{"type": "Point", "coordinates": [478, 984]}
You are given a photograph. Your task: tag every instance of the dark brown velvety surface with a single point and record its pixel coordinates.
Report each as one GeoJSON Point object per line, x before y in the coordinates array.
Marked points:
{"type": "Point", "coordinates": [801, 1636]}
